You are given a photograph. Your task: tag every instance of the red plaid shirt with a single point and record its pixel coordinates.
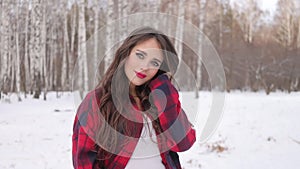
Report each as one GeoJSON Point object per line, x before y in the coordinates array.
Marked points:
{"type": "Point", "coordinates": [174, 123]}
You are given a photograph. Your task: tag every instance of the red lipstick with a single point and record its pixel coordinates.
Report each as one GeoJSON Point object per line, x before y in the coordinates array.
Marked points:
{"type": "Point", "coordinates": [140, 75]}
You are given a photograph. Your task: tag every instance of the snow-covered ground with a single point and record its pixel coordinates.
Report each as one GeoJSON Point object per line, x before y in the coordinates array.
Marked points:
{"type": "Point", "coordinates": [256, 131]}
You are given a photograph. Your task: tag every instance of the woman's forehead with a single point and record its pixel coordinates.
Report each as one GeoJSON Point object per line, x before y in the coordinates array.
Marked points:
{"type": "Point", "coordinates": [149, 47]}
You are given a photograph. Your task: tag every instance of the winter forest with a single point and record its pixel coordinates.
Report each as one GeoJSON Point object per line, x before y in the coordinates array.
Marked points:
{"type": "Point", "coordinates": [41, 40]}
{"type": "Point", "coordinates": [50, 49]}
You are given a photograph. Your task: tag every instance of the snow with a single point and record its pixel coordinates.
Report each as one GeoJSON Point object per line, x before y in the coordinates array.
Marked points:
{"type": "Point", "coordinates": [256, 131]}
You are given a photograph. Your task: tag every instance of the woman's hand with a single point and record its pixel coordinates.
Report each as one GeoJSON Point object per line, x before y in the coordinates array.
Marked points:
{"type": "Point", "coordinates": [169, 75]}
{"type": "Point", "coordinates": [173, 120]}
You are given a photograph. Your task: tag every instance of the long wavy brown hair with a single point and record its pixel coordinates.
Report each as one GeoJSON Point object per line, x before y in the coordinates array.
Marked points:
{"type": "Point", "coordinates": [110, 108]}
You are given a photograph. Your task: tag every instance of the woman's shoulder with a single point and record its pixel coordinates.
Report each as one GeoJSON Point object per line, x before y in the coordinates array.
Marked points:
{"type": "Point", "coordinates": [91, 99]}
{"type": "Point", "coordinates": [89, 106]}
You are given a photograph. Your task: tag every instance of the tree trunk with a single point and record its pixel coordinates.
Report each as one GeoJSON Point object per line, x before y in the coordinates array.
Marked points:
{"type": "Point", "coordinates": [0, 51]}
{"type": "Point", "coordinates": [298, 35]}
{"type": "Point", "coordinates": [202, 17]}
{"type": "Point", "coordinates": [36, 46]}
{"type": "Point", "coordinates": [72, 56]}
{"type": "Point", "coordinates": [109, 33]}
{"type": "Point", "coordinates": [64, 77]}
{"type": "Point", "coordinates": [82, 55]}
{"type": "Point", "coordinates": [17, 63]}
{"type": "Point", "coordinates": [0, 45]}
{"type": "Point", "coordinates": [26, 57]}
{"type": "Point", "coordinates": [285, 17]}
{"type": "Point", "coordinates": [180, 28]}
{"type": "Point", "coordinates": [96, 36]}
{"type": "Point", "coordinates": [221, 25]}
{"type": "Point", "coordinates": [123, 12]}
{"type": "Point", "coordinates": [43, 51]}
{"type": "Point", "coordinates": [5, 36]}
{"type": "Point", "coordinates": [157, 10]}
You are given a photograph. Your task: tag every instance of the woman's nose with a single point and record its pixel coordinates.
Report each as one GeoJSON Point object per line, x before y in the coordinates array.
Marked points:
{"type": "Point", "coordinates": [144, 66]}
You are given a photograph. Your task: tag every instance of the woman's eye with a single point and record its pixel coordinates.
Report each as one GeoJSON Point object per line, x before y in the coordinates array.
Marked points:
{"type": "Point", "coordinates": [156, 64]}
{"type": "Point", "coordinates": [139, 55]}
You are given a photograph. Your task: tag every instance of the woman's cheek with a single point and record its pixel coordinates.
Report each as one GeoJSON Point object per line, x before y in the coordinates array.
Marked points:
{"type": "Point", "coordinates": [152, 73]}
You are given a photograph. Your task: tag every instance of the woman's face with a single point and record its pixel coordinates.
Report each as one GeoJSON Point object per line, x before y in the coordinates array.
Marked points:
{"type": "Point", "coordinates": [143, 62]}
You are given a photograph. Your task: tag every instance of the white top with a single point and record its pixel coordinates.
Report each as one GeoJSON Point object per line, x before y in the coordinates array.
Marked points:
{"type": "Point", "coordinates": [146, 154]}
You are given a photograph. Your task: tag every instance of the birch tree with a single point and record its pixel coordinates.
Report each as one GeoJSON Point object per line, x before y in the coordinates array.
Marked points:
{"type": "Point", "coordinates": [298, 35]}
{"type": "Point", "coordinates": [82, 55]}
{"type": "Point", "coordinates": [5, 47]}
{"type": "Point", "coordinates": [110, 31]}
{"type": "Point", "coordinates": [12, 46]}
{"type": "Point", "coordinates": [231, 24]}
{"type": "Point", "coordinates": [17, 63]}
{"type": "Point", "coordinates": [202, 17]}
{"type": "Point", "coordinates": [96, 34]}
{"type": "Point", "coordinates": [66, 52]}
{"type": "Point", "coordinates": [74, 28]}
{"type": "Point", "coordinates": [167, 8]}
{"type": "Point", "coordinates": [36, 46]}
{"type": "Point", "coordinates": [51, 45]}
{"type": "Point", "coordinates": [285, 22]}
{"type": "Point", "coordinates": [180, 28]}
{"type": "Point", "coordinates": [26, 50]}
{"type": "Point", "coordinates": [0, 49]}
{"type": "Point", "coordinates": [123, 12]}
{"type": "Point", "coordinates": [44, 72]}
{"type": "Point", "coordinates": [156, 9]}
{"type": "Point", "coordinates": [221, 13]}
{"type": "Point", "coordinates": [249, 19]}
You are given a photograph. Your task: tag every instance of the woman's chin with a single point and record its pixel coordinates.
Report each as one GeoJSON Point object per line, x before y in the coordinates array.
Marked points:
{"type": "Point", "coordinates": [137, 83]}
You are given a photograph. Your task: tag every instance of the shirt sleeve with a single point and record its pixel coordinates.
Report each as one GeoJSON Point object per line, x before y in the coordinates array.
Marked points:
{"type": "Point", "coordinates": [173, 120]}
{"type": "Point", "coordinates": [83, 145]}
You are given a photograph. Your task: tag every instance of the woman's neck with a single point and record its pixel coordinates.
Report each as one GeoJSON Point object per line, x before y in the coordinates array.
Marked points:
{"type": "Point", "coordinates": [132, 92]}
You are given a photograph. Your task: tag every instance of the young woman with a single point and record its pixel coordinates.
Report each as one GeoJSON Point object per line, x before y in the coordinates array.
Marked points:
{"type": "Point", "coordinates": [133, 119]}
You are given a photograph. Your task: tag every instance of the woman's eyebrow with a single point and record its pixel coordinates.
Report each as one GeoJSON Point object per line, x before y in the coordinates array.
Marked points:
{"type": "Point", "coordinates": [157, 60]}
{"type": "Point", "coordinates": [142, 52]}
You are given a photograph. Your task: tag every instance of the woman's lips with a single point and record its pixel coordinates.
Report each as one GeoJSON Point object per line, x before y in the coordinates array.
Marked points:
{"type": "Point", "coordinates": [140, 75]}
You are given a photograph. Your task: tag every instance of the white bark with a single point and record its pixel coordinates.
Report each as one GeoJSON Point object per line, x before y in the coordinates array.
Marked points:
{"type": "Point", "coordinates": [298, 36]}
{"type": "Point", "coordinates": [44, 71]}
{"type": "Point", "coordinates": [5, 47]}
{"type": "Point", "coordinates": [202, 18]}
{"type": "Point", "coordinates": [157, 10]}
{"type": "Point", "coordinates": [72, 47]}
{"type": "Point", "coordinates": [123, 12]}
{"type": "Point", "coordinates": [54, 52]}
{"type": "Point", "coordinates": [0, 48]}
{"type": "Point", "coordinates": [82, 55]}
{"type": "Point", "coordinates": [26, 57]}
{"type": "Point", "coordinates": [180, 28]}
{"type": "Point", "coordinates": [249, 18]}
{"type": "Point", "coordinates": [36, 45]}
{"type": "Point", "coordinates": [168, 22]}
{"type": "Point", "coordinates": [51, 55]}
{"type": "Point", "coordinates": [17, 63]}
{"type": "Point", "coordinates": [285, 23]}
{"type": "Point", "coordinates": [96, 36]}
{"type": "Point", "coordinates": [12, 58]}
{"type": "Point", "coordinates": [289, 31]}
{"type": "Point", "coordinates": [221, 24]}
{"type": "Point", "coordinates": [250, 36]}
{"type": "Point", "coordinates": [109, 34]}
{"type": "Point", "coordinates": [254, 18]}
{"type": "Point", "coordinates": [64, 78]}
